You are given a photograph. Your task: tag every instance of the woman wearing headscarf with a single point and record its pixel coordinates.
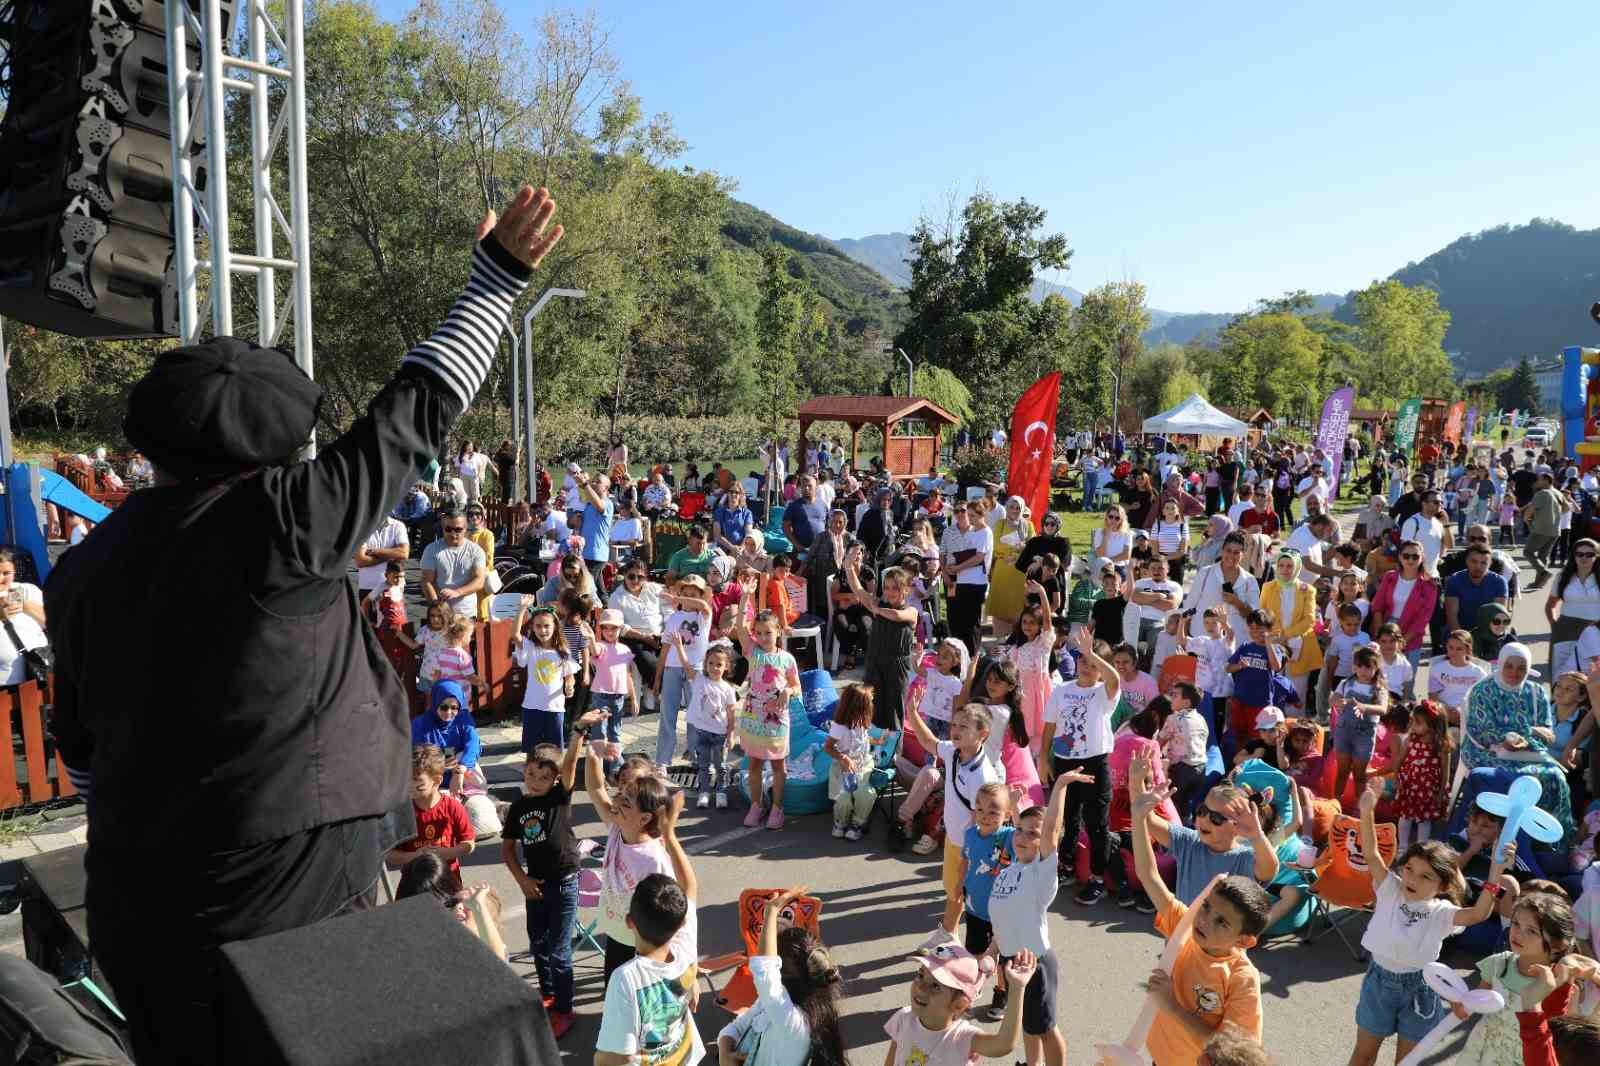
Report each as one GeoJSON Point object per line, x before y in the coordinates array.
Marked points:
{"type": "Point", "coordinates": [1406, 596]}
{"type": "Point", "coordinates": [1293, 604]}
{"type": "Point", "coordinates": [1509, 725]}
{"type": "Point", "coordinates": [1210, 549]}
{"type": "Point", "coordinates": [1491, 631]}
{"type": "Point", "coordinates": [1049, 542]}
{"type": "Point", "coordinates": [826, 559]}
{"type": "Point", "coordinates": [1006, 584]}
{"type": "Point", "coordinates": [1189, 505]}
{"type": "Point", "coordinates": [447, 724]}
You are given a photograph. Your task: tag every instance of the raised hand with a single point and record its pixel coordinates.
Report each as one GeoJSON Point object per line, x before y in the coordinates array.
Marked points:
{"type": "Point", "coordinates": [524, 228]}
{"type": "Point", "coordinates": [1369, 798]}
{"type": "Point", "coordinates": [1020, 968]}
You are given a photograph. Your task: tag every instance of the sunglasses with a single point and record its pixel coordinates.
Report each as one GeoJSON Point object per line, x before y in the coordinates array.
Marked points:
{"type": "Point", "coordinates": [1583, 555]}
{"type": "Point", "coordinates": [1215, 816]}
{"type": "Point", "coordinates": [1499, 621]}
{"type": "Point", "coordinates": [1411, 555]}
{"type": "Point", "coordinates": [455, 529]}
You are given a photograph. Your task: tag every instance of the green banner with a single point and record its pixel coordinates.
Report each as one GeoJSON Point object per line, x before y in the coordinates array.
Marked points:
{"type": "Point", "coordinates": [1405, 426]}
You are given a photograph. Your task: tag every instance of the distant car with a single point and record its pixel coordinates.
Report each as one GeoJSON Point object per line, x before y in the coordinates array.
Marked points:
{"type": "Point", "coordinates": [1539, 435]}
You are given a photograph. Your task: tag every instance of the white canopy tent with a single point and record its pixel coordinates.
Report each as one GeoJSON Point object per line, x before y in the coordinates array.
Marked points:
{"type": "Point", "coordinates": [1196, 417]}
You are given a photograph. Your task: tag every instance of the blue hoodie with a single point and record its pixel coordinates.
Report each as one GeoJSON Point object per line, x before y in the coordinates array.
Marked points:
{"type": "Point", "coordinates": [459, 737]}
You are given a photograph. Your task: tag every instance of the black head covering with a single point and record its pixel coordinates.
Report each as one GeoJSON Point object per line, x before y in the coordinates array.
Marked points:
{"type": "Point", "coordinates": [213, 409]}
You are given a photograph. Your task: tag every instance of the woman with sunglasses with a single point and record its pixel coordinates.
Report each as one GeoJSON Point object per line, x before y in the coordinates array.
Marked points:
{"type": "Point", "coordinates": [1049, 542]}
{"type": "Point", "coordinates": [1262, 517]}
{"type": "Point", "coordinates": [639, 600]}
{"type": "Point", "coordinates": [1138, 499]}
{"type": "Point", "coordinates": [1407, 596]}
{"type": "Point", "coordinates": [1573, 605]}
{"type": "Point", "coordinates": [1113, 540]}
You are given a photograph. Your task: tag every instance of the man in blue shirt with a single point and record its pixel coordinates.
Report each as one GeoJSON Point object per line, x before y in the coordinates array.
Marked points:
{"type": "Point", "coordinates": [598, 513]}
{"type": "Point", "coordinates": [1465, 592]}
{"type": "Point", "coordinates": [806, 516]}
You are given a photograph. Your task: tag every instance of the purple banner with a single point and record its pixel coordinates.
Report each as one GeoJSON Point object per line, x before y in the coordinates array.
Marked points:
{"type": "Point", "coordinates": [1334, 426]}
{"type": "Point", "coordinates": [1472, 420]}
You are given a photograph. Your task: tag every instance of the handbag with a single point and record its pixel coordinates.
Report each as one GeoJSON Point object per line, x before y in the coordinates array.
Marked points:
{"type": "Point", "coordinates": [37, 663]}
{"type": "Point", "coordinates": [492, 582]}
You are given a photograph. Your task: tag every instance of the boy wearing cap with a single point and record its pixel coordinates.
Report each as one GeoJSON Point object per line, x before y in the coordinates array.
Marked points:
{"type": "Point", "coordinates": [934, 1031]}
{"type": "Point", "coordinates": [613, 678]}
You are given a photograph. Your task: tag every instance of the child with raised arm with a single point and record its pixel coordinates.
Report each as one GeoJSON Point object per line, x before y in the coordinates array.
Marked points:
{"type": "Point", "coordinates": [966, 769]}
{"type": "Point", "coordinates": [1019, 905]}
{"type": "Point", "coordinates": [709, 721]}
{"type": "Point", "coordinates": [1213, 981]}
{"type": "Point", "coordinates": [1362, 700]}
{"type": "Point", "coordinates": [1227, 838]}
{"type": "Point", "coordinates": [891, 640]}
{"type": "Point", "coordinates": [795, 1019]}
{"type": "Point", "coordinates": [540, 820]}
{"type": "Point", "coordinates": [634, 847]}
{"type": "Point", "coordinates": [1417, 905]}
{"type": "Point", "coordinates": [1077, 736]}
{"type": "Point", "coordinates": [650, 999]}
{"type": "Point", "coordinates": [764, 719]}
{"type": "Point", "coordinates": [690, 619]}
{"type": "Point", "coordinates": [933, 1029]}
{"type": "Point", "coordinates": [538, 649]}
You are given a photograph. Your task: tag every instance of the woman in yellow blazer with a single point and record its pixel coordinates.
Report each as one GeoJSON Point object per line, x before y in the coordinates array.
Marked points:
{"type": "Point", "coordinates": [1293, 604]}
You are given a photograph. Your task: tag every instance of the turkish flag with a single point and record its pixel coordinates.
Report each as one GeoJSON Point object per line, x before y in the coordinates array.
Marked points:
{"type": "Point", "coordinates": [1033, 445]}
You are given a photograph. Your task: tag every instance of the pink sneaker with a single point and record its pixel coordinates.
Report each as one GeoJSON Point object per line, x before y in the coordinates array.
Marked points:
{"type": "Point", "coordinates": [775, 819]}
{"type": "Point", "coordinates": [753, 819]}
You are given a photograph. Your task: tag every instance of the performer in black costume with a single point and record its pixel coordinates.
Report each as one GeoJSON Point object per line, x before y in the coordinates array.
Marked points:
{"type": "Point", "coordinates": [219, 699]}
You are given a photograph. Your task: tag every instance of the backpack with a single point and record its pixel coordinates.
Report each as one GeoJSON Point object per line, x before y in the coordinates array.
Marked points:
{"type": "Point", "coordinates": [41, 1025]}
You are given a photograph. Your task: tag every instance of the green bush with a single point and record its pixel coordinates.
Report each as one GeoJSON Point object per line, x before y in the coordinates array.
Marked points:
{"type": "Point", "coordinates": [970, 466]}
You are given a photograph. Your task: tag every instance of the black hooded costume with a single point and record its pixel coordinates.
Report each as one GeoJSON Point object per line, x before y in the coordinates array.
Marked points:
{"type": "Point", "coordinates": [231, 718]}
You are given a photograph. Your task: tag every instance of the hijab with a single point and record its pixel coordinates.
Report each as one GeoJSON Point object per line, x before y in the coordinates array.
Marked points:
{"type": "Point", "coordinates": [1512, 650]}
{"type": "Point", "coordinates": [459, 736]}
{"type": "Point", "coordinates": [1486, 643]}
{"type": "Point", "coordinates": [1294, 557]}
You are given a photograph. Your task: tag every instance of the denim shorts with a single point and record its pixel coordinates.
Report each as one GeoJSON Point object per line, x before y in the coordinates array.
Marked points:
{"type": "Point", "coordinates": [1354, 736]}
{"type": "Point", "coordinates": [1397, 1003]}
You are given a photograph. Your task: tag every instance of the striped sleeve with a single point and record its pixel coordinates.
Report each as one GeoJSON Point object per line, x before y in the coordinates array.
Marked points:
{"type": "Point", "coordinates": [460, 352]}
{"type": "Point", "coordinates": [82, 780]}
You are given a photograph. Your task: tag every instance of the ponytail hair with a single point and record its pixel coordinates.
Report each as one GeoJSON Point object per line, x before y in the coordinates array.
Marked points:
{"type": "Point", "coordinates": [814, 985]}
{"type": "Point", "coordinates": [1015, 722]}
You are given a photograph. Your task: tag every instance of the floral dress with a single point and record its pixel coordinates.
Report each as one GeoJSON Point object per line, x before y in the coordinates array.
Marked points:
{"type": "Point", "coordinates": [764, 720]}
{"type": "Point", "coordinates": [1421, 780]}
{"type": "Point", "coordinates": [1491, 713]}
{"type": "Point", "coordinates": [1497, 1040]}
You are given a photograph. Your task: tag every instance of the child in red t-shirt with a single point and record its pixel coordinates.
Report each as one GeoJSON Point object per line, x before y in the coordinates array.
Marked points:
{"type": "Point", "coordinates": [443, 824]}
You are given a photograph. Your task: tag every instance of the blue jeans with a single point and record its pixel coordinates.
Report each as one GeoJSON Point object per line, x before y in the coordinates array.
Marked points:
{"type": "Point", "coordinates": [706, 751]}
{"type": "Point", "coordinates": [552, 922]}
{"type": "Point", "coordinates": [673, 691]}
{"type": "Point", "coordinates": [543, 727]}
{"type": "Point", "coordinates": [611, 728]}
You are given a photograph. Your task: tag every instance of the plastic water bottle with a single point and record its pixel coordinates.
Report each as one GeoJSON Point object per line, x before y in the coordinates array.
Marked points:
{"type": "Point", "coordinates": [848, 782]}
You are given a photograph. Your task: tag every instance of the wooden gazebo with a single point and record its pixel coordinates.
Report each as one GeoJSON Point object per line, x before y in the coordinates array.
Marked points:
{"type": "Point", "coordinates": [904, 455]}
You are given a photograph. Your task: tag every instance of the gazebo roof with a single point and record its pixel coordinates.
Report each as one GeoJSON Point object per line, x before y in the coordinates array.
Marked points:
{"type": "Point", "coordinates": [874, 410]}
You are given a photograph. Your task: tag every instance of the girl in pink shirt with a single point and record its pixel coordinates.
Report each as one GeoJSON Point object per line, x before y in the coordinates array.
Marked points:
{"type": "Point", "coordinates": [1008, 743]}
{"type": "Point", "coordinates": [613, 679]}
{"type": "Point", "coordinates": [1035, 640]}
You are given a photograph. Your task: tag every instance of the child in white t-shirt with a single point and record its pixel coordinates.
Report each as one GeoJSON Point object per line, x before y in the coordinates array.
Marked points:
{"type": "Point", "coordinates": [1212, 653]}
{"type": "Point", "coordinates": [1077, 736]}
{"type": "Point", "coordinates": [552, 676]}
{"type": "Point", "coordinates": [709, 720]}
{"type": "Point", "coordinates": [850, 748]}
{"type": "Point", "coordinates": [1396, 668]}
{"type": "Point", "coordinates": [661, 975]}
{"type": "Point", "coordinates": [794, 978]}
{"type": "Point", "coordinates": [941, 687]}
{"type": "Point", "coordinates": [1452, 675]}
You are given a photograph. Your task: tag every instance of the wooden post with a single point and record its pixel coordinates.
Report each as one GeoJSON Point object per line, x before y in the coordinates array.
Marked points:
{"type": "Point", "coordinates": [855, 445]}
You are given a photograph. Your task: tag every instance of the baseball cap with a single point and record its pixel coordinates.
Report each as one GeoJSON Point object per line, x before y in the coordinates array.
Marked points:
{"type": "Point", "coordinates": [956, 968]}
{"type": "Point", "coordinates": [611, 618]}
{"type": "Point", "coordinates": [1269, 718]}
{"type": "Point", "coordinates": [695, 580]}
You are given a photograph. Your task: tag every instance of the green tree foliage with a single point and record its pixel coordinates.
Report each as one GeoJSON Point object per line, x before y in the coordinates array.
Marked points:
{"type": "Point", "coordinates": [1106, 339]}
{"type": "Point", "coordinates": [969, 306]}
{"type": "Point", "coordinates": [1518, 390]}
{"type": "Point", "coordinates": [780, 320]}
{"type": "Point", "coordinates": [1399, 343]}
{"type": "Point", "coordinates": [945, 389]}
{"type": "Point", "coordinates": [1159, 379]}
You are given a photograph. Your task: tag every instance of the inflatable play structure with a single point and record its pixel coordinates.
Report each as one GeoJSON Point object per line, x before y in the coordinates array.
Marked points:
{"type": "Point", "coordinates": [1580, 405]}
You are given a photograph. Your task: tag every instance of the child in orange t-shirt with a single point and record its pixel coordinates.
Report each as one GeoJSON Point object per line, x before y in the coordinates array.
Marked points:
{"type": "Point", "coordinates": [775, 594]}
{"type": "Point", "coordinates": [1212, 982]}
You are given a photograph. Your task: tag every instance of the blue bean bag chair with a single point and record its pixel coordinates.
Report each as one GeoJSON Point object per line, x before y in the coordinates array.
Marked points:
{"type": "Point", "coordinates": [821, 698]}
{"type": "Point", "coordinates": [808, 795]}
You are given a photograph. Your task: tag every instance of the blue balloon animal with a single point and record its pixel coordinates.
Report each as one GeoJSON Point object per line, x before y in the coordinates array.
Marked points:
{"type": "Point", "coordinates": [1519, 806]}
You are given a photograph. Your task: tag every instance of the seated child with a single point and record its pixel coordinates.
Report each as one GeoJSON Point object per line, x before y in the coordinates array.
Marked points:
{"type": "Point", "coordinates": [850, 748]}
{"type": "Point", "coordinates": [933, 1030]}
{"type": "Point", "coordinates": [1212, 981]}
{"type": "Point", "coordinates": [647, 1016]}
{"type": "Point", "coordinates": [443, 825]}
{"type": "Point", "coordinates": [796, 981]}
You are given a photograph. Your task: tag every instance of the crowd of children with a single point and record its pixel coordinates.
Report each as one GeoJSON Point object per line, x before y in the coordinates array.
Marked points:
{"type": "Point", "coordinates": [1203, 782]}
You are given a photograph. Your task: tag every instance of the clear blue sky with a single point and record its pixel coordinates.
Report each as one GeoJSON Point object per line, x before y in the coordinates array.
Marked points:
{"type": "Point", "coordinates": [1220, 153]}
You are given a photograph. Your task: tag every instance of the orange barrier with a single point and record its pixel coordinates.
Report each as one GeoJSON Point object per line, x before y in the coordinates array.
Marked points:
{"type": "Point", "coordinates": [492, 650]}
{"type": "Point", "coordinates": [26, 703]}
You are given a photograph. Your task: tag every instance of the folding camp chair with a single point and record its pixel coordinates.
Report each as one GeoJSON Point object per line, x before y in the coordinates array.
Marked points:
{"type": "Point", "coordinates": [1342, 890]}
{"type": "Point", "coordinates": [883, 778]}
{"type": "Point", "coordinates": [740, 991]}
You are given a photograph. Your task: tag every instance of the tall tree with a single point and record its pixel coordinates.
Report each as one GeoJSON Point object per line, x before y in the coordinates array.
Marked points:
{"type": "Point", "coordinates": [779, 319]}
{"type": "Point", "coordinates": [1520, 390]}
{"type": "Point", "coordinates": [1399, 345]}
{"type": "Point", "coordinates": [970, 310]}
{"type": "Point", "coordinates": [1106, 341]}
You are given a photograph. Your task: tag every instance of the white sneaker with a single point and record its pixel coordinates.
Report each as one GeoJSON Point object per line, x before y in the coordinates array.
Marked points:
{"type": "Point", "coordinates": [703, 801]}
{"type": "Point", "coordinates": [838, 831]}
{"type": "Point", "coordinates": [852, 833]}
{"type": "Point", "coordinates": [938, 937]}
{"type": "Point", "coordinates": [722, 801]}
{"type": "Point", "coordinates": [924, 845]}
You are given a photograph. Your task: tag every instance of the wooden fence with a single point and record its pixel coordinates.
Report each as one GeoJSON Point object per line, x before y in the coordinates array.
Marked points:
{"type": "Point", "coordinates": [24, 704]}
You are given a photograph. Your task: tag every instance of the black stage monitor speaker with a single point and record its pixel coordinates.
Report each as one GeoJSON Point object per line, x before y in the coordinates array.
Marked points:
{"type": "Point", "coordinates": [403, 983]}
{"type": "Point", "coordinates": [55, 927]}
{"type": "Point", "coordinates": [86, 245]}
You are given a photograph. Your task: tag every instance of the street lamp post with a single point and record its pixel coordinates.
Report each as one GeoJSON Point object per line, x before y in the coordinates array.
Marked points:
{"type": "Point", "coordinates": [528, 410]}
